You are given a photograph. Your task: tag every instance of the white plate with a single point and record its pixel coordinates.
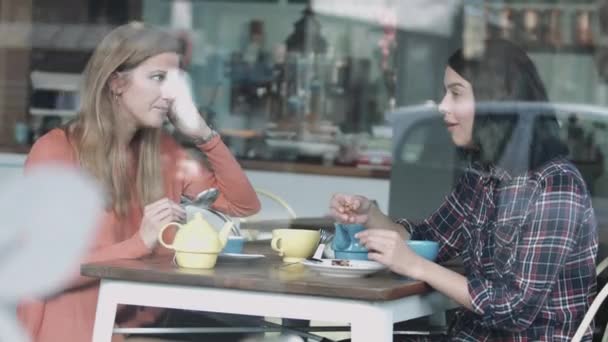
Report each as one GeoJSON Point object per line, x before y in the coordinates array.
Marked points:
{"type": "Point", "coordinates": [356, 268]}
{"type": "Point", "coordinates": [255, 235]}
{"type": "Point", "coordinates": [263, 236]}
{"type": "Point", "coordinates": [239, 256]}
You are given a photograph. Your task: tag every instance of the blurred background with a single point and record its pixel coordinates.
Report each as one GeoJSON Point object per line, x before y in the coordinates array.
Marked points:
{"type": "Point", "coordinates": [313, 94]}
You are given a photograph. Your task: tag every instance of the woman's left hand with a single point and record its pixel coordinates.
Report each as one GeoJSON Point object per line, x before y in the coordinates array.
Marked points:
{"type": "Point", "coordinates": [390, 249]}
{"type": "Point", "coordinates": [183, 114]}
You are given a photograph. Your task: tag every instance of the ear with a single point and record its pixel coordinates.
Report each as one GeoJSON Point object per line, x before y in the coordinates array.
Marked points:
{"type": "Point", "coordinates": [118, 83]}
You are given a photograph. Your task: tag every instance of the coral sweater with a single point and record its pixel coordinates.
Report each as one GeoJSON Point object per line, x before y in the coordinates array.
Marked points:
{"type": "Point", "coordinates": [69, 315]}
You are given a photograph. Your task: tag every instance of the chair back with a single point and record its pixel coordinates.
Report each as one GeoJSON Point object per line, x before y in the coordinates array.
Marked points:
{"type": "Point", "coordinates": [595, 305]}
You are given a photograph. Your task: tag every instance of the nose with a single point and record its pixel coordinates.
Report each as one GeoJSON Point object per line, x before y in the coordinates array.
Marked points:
{"type": "Point", "coordinates": [443, 106]}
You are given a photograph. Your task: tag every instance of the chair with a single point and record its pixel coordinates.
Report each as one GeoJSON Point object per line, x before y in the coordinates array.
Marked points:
{"type": "Point", "coordinates": [278, 200]}
{"type": "Point", "coordinates": [281, 202]}
{"type": "Point", "coordinates": [597, 302]}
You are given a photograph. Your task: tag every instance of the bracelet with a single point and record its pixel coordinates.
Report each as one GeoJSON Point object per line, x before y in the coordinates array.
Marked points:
{"type": "Point", "coordinates": [201, 141]}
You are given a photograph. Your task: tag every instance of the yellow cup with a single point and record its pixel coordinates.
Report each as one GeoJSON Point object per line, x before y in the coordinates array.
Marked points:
{"type": "Point", "coordinates": [295, 244]}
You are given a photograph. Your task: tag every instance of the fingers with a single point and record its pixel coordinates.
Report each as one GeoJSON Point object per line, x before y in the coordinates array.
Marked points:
{"type": "Point", "coordinates": [385, 233]}
{"type": "Point", "coordinates": [338, 202]}
{"type": "Point", "coordinates": [178, 211]}
{"type": "Point", "coordinates": [347, 217]}
{"type": "Point", "coordinates": [384, 243]}
{"type": "Point", "coordinates": [338, 216]}
{"type": "Point", "coordinates": [358, 219]}
{"type": "Point", "coordinates": [381, 248]}
{"type": "Point", "coordinates": [171, 213]}
{"type": "Point", "coordinates": [154, 206]}
{"type": "Point", "coordinates": [354, 204]}
{"type": "Point", "coordinates": [380, 244]}
{"type": "Point", "coordinates": [348, 208]}
{"type": "Point", "coordinates": [163, 208]}
{"type": "Point", "coordinates": [375, 256]}
{"type": "Point", "coordinates": [164, 214]}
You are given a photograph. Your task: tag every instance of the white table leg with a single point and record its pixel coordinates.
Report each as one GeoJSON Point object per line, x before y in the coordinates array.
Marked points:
{"type": "Point", "coordinates": [105, 314]}
{"type": "Point", "coordinates": [372, 324]}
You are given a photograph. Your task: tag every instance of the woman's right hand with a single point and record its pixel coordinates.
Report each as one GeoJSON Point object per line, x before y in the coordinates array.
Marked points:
{"type": "Point", "coordinates": [183, 114]}
{"type": "Point", "coordinates": [350, 208]}
{"type": "Point", "coordinates": [156, 216]}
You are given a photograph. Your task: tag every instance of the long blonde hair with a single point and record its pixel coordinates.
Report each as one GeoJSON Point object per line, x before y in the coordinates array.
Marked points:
{"type": "Point", "coordinates": [94, 132]}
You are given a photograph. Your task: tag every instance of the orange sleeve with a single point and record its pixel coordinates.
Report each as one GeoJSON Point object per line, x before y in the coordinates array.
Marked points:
{"type": "Point", "coordinates": [55, 148]}
{"type": "Point", "coordinates": [237, 196]}
{"type": "Point", "coordinates": [30, 313]}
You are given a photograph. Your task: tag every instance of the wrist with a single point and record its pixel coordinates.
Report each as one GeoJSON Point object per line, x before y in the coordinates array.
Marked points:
{"type": "Point", "coordinates": [372, 216]}
{"type": "Point", "coordinates": [205, 136]}
{"type": "Point", "coordinates": [376, 218]}
{"type": "Point", "coordinates": [420, 268]}
{"type": "Point", "coordinates": [148, 241]}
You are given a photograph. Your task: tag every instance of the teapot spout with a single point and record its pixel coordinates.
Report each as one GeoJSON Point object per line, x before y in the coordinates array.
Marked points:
{"type": "Point", "coordinates": [225, 232]}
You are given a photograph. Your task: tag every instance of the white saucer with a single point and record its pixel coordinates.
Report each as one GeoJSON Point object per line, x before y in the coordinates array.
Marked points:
{"type": "Point", "coordinates": [240, 256]}
{"type": "Point", "coordinates": [355, 269]}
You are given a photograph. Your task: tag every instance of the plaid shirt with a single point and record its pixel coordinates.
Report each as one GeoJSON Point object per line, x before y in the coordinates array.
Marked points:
{"type": "Point", "coordinates": [528, 244]}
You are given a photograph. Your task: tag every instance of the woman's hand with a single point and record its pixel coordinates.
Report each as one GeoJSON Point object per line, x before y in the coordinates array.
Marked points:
{"type": "Point", "coordinates": [156, 216]}
{"type": "Point", "coordinates": [390, 249]}
{"type": "Point", "coordinates": [183, 114]}
{"type": "Point", "coordinates": [350, 208]}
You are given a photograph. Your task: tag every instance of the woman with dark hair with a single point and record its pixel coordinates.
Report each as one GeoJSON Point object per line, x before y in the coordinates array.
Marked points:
{"type": "Point", "coordinates": [520, 216]}
{"type": "Point", "coordinates": [506, 85]}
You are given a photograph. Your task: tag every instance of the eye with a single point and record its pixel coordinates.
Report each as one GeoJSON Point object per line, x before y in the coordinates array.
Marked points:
{"type": "Point", "coordinates": [158, 77]}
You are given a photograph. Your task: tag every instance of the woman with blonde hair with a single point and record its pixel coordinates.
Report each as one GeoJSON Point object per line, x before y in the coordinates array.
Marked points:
{"type": "Point", "coordinates": [132, 85]}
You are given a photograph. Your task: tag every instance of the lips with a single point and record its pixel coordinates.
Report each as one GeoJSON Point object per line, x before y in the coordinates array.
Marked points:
{"type": "Point", "coordinates": [450, 125]}
{"type": "Point", "coordinates": [161, 109]}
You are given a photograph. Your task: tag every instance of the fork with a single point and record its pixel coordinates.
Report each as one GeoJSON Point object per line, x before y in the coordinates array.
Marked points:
{"type": "Point", "coordinates": [318, 255]}
{"type": "Point", "coordinates": [325, 238]}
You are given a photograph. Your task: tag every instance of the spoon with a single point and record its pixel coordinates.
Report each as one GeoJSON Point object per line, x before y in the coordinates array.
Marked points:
{"type": "Point", "coordinates": [318, 255]}
{"type": "Point", "coordinates": [204, 199]}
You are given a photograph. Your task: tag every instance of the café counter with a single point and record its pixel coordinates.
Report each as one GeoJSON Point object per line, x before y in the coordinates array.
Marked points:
{"type": "Point", "coordinates": [306, 187]}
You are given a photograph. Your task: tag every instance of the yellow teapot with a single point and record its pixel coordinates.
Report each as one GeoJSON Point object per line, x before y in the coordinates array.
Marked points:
{"type": "Point", "coordinates": [196, 243]}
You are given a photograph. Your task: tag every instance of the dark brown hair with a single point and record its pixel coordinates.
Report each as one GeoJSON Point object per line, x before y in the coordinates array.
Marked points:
{"type": "Point", "coordinates": [504, 73]}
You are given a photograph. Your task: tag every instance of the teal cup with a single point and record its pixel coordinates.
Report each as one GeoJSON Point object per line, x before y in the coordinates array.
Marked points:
{"type": "Point", "coordinates": [425, 249]}
{"type": "Point", "coordinates": [346, 245]}
{"type": "Point", "coordinates": [234, 245]}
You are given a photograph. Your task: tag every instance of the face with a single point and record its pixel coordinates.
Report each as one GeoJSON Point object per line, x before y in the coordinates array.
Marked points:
{"type": "Point", "coordinates": [140, 97]}
{"type": "Point", "coordinates": [458, 108]}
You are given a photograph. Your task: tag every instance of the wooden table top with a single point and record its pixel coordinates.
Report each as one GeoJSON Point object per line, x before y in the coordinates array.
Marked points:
{"type": "Point", "coordinates": [267, 274]}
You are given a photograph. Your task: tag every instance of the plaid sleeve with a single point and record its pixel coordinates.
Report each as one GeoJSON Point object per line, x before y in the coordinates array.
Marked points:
{"type": "Point", "coordinates": [444, 225]}
{"type": "Point", "coordinates": [540, 247]}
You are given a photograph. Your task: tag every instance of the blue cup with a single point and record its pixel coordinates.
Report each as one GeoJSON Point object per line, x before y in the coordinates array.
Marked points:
{"type": "Point", "coordinates": [346, 245]}
{"type": "Point", "coordinates": [234, 245]}
{"type": "Point", "coordinates": [426, 249]}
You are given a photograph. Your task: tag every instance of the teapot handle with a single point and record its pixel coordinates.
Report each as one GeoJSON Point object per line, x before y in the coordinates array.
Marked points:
{"type": "Point", "coordinates": [162, 230]}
